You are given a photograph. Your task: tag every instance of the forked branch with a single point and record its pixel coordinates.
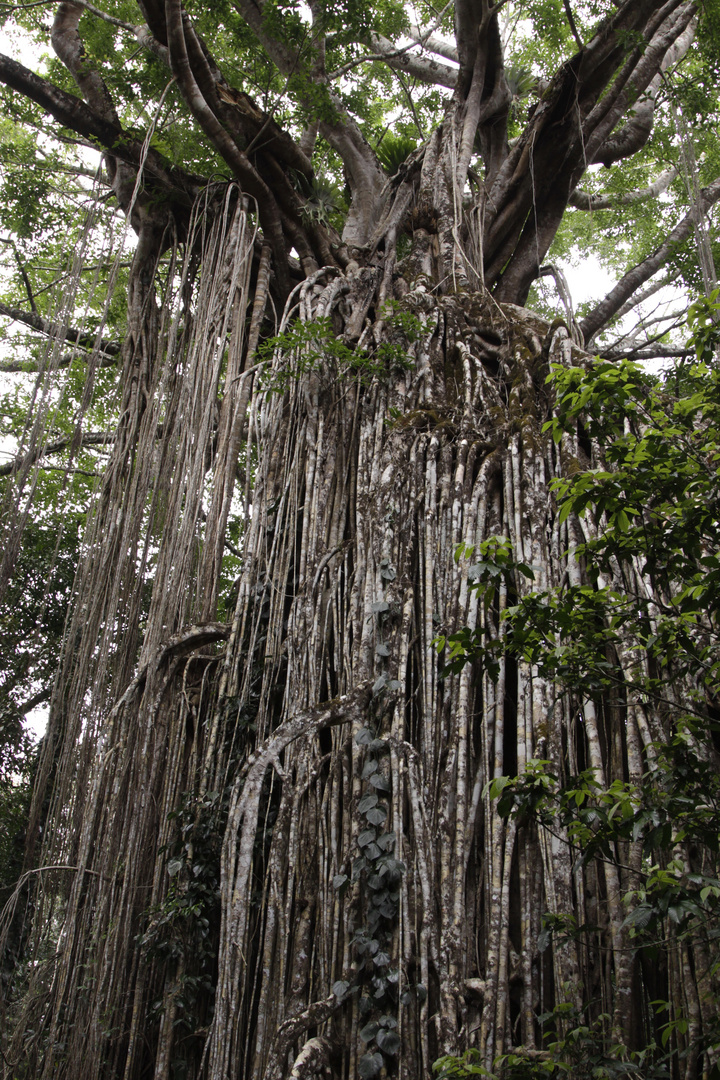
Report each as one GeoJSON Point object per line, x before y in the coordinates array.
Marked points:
{"type": "Point", "coordinates": [601, 315]}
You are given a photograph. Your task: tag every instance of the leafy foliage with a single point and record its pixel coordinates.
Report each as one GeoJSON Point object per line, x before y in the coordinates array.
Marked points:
{"type": "Point", "coordinates": [572, 1049]}
{"type": "Point", "coordinates": [377, 980]}
{"type": "Point", "coordinates": [393, 150]}
{"type": "Point", "coordinates": [654, 499]}
{"type": "Point", "coordinates": [181, 932]}
{"type": "Point", "coordinates": [314, 346]}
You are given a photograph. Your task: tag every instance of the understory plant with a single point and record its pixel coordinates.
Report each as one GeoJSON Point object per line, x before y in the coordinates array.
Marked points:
{"type": "Point", "coordinates": [650, 498]}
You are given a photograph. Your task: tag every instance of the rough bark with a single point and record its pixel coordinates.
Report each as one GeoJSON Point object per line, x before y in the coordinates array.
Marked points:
{"type": "Point", "coordinates": [252, 766]}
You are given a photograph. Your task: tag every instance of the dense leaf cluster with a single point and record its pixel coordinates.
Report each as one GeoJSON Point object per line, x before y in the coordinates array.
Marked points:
{"type": "Point", "coordinates": [654, 501]}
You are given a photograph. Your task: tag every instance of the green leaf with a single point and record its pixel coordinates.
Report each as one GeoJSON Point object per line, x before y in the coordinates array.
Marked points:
{"type": "Point", "coordinates": [622, 521]}
{"type": "Point", "coordinates": [379, 685]}
{"type": "Point", "coordinates": [496, 787]}
{"type": "Point", "coordinates": [370, 1065]}
{"type": "Point", "coordinates": [640, 917]}
{"type": "Point", "coordinates": [389, 1042]}
{"type": "Point", "coordinates": [565, 510]}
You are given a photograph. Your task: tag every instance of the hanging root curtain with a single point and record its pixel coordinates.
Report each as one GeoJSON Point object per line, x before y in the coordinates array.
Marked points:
{"type": "Point", "coordinates": [265, 841]}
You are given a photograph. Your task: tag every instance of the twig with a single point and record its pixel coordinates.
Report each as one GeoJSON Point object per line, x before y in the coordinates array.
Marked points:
{"type": "Point", "coordinates": [79, 3]}
{"type": "Point", "coordinates": [23, 273]}
{"type": "Point", "coordinates": [411, 103]}
{"type": "Point", "coordinates": [91, 439]}
{"type": "Point", "coordinates": [573, 27]}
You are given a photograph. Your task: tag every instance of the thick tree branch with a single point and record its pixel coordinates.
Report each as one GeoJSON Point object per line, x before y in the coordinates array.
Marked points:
{"type": "Point", "coordinates": [571, 22]}
{"type": "Point", "coordinates": [532, 188]}
{"type": "Point", "coordinates": [631, 137]}
{"type": "Point", "coordinates": [147, 39]}
{"type": "Point", "coordinates": [289, 1031]}
{"type": "Point", "coordinates": [153, 12]}
{"type": "Point", "coordinates": [471, 21]}
{"type": "Point", "coordinates": [237, 110]}
{"type": "Point", "coordinates": [318, 40]}
{"type": "Point", "coordinates": [608, 66]}
{"type": "Point", "coordinates": [314, 1056]}
{"type": "Point", "coordinates": [487, 108]}
{"type": "Point", "coordinates": [234, 109]}
{"type": "Point", "coordinates": [306, 143]}
{"type": "Point", "coordinates": [260, 152]}
{"type": "Point", "coordinates": [661, 352]}
{"type": "Point", "coordinates": [236, 127]}
{"type": "Point", "coordinates": [71, 112]}
{"type": "Point", "coordinates": [37, 699]}
{"type": "Point", "coordinates": [285, 59]}
{"type": "Point", "coordinates": [584, 200]}
{"type": "Point", "coordinates": [365, 175]}
{"type": "Point", "coordinates": [636, 87]}
{"type": "Point", "coordinates": [185, 641]}
{"type": "Point", "coordinates": [635, 278]}
{"type": "Point", "coordinates": [367, 179]}
{"type": "Point", "coordinates": [18, 367]}
{"type": "Point", "coordinates": [435, 44]}
{"type": "Point", "coordinates": [68, 45]}
{"type": "Point", "coordinates": [54, 330]}
{"type": "Point", "coordinates": [55, 447]}
{"type": "Point", "coordinates": [640, 298]}
{"type": "Point", "coordinates": [397, 57]}
{"type": "Point", "coordinates": [246, 174]}
{"type": "Point", "coordinates": [420, 67]}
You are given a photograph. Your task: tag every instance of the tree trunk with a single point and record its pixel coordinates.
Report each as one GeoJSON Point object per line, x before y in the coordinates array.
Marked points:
{"type": "Point", "coordinates": [284, 855]}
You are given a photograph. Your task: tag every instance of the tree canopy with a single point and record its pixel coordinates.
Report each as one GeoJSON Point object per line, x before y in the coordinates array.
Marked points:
{"type": "Point", "coordinates": [572, 130]}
